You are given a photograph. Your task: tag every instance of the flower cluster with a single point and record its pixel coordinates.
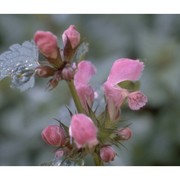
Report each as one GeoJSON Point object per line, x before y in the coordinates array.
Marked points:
{"type": "Point", "coordinates": [89, 133]}
{"type": "Point", "coordinates": [59, 60]}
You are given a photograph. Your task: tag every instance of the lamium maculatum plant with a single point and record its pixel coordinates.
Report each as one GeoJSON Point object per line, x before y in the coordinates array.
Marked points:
{"type": "Point", "coordinates": [91, 133]}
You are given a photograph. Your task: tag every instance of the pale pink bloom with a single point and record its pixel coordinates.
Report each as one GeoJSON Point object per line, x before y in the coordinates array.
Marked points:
{"type": "Point", "coordinates": [47, 44]}
{"type": "Point", "coordinates": [54, 135]}
{"type": "Point", "coordinates": [136, 100]}
{"type": "Point", "coordinates": [122, 70]}
{"type": "Point", "coordinates": [83, 131]}
{"type": "Point", "coordinates": [107, 153]}
{"type": "Point", "coordinates": [71, 35]}
{"type": "Point", "coordinates": [124, 133]}
{"type": "Point", "coordinates": [85, 71]}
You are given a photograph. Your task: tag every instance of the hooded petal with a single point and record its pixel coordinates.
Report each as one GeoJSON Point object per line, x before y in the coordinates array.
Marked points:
{"type": "Point", "coordinates": [125, 69]}
{"type": "Point", "coordinates": [84, 73]}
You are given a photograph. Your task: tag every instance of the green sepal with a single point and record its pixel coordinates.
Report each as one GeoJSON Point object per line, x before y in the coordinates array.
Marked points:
{"type": "Point", "coordinates": [62, 125]}
{"type": "Point", "coordinates": [69, 110]}
{"type": "Point", "coordinates": [130, 85]}
{"type": "Point", "coordinates": [92, 115]}
{"type": "Point", "coordinates": [68, 51]}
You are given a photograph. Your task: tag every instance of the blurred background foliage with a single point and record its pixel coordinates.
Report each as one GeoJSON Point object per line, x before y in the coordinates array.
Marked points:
{"type": "Point", "coordinates": [155, 39]}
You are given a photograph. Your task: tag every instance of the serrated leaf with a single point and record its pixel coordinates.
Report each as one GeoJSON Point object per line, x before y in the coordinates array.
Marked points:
{"type": "Point", "coordinates": [19, 63]}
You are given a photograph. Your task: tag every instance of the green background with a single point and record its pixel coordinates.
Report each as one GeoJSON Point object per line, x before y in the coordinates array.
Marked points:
{"type": "Point", "coordinates": [155, 39]}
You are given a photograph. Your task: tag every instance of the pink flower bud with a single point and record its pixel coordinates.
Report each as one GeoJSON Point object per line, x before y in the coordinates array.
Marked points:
{"type": "Point", "coordinates": [107, 153]}
{"type": "Point", "coordinates": [62, 152]}
{"type": "Point", "coordinates": [54, 135]}
{"type": "Point", "coordinates": [124, 133]}
{"type": "Point", "coordinates": [47, 44]}
{"type": "Point", "coordinates": [136, 100]}
{"type": "Point", "coordinates": [68, 73]}
{"type": "Point", "coordinates": [71, 35]}
{"type": "Point", "coordinates": [45, 71]}
{"type": "Point", "coordinates": [83, 130]}
{"type": "Point", "coordinates": [59, 154]}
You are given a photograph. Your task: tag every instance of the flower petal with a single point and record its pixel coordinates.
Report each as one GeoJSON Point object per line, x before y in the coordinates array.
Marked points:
{"type": "Point", "coordinates": [84, 73]}
{"type": "Point", "coordinates": [115, 96]}
{"type": "Point", "coordinates": [73, 35]}
{"type": "Point", "coordinates": [54, 135]}
{"type": "Point", "coordinates": [86, 95]}
{"type": "Point", "coordinates": [125, 69]}
{"type": "Point", "coordinates": [136, 100]}
{"type": "Point", "coordinates": [47, 43]}
{"type": "Point", "coordinates": [83, 130]}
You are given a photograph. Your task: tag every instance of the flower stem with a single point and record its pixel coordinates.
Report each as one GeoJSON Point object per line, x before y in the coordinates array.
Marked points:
{"type": "Point", "coordinates": [75, 97]}
{"type": "Point", "coordinates": [97, 160]}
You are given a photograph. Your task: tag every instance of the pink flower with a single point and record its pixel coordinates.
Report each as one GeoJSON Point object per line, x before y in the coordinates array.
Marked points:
{"type": "Point", "coordinates": [82, 77]}
{"type": "Point", "coordinates": [107, 153]}
{"type": "Point", "coordinates": [47, 44]}
{"type": "Point", "coordinates": [83, 130]}
{"type": "Point", "coordinates": [71, 35]}
{"type": "Point", "coordinates": [122, 70]}
{"type": "Point", "coordinates": [124, 133]}
{"type": "Point", "coordinates": [54, 135]}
